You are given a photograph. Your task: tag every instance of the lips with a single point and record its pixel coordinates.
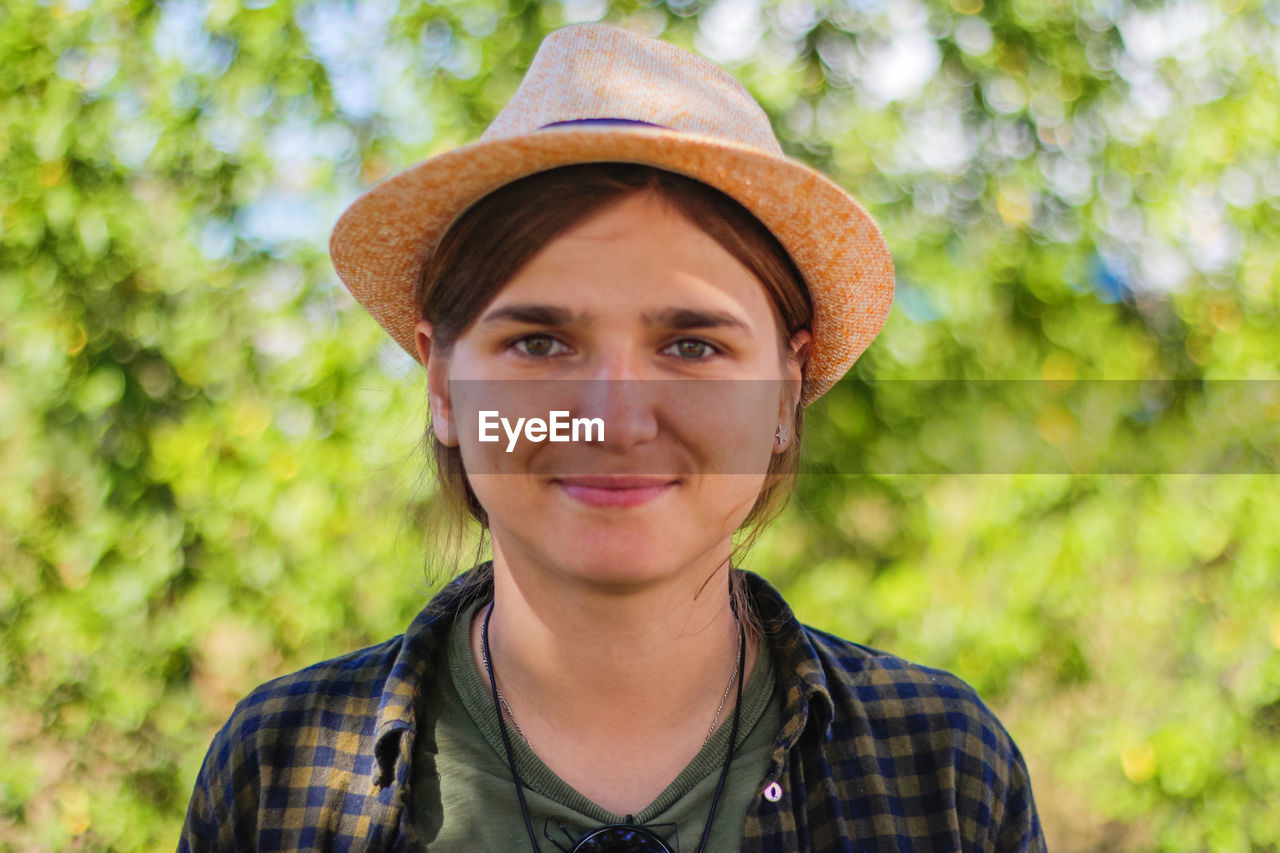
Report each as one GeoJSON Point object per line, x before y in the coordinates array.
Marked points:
{"type": "Point", "coordinates": [617, 490]}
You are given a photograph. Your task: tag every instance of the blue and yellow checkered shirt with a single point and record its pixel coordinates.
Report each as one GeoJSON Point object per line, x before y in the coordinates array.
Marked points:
{"type": "Point", "coordinates": [874, 753]}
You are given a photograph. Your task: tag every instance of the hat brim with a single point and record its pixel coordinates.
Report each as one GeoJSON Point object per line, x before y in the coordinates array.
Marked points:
{"type": "Point", "coordinates": [381, 242]}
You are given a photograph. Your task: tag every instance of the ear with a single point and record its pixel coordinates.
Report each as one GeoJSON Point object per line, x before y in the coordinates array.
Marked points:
{"type": "Point", "coordinates": [793, 377]}
{"type": "Point", "coordinates": [801, 343]}
{"type": "Point", "coordinates": [437, 366]}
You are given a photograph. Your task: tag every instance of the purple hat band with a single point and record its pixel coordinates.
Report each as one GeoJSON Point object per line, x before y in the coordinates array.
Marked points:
{"type": "Point", "coordinates": [601, 121]}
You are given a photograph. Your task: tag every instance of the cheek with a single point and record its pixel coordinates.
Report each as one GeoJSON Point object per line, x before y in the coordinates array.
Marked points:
{"type": "Point", "coordinates": [728, 424]}
{"type": "Point", "coordinates": [724, 500]}
{"type": "Point", "coordinates": [508, 499]}
{"type": "Point", "coordinates": [495, 421]}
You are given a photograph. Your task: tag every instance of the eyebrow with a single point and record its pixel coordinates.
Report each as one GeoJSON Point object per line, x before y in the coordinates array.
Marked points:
{"type": "Point", "coordinates": [533, 314]}
{"type": "Point", "coordinates": [557, 316]}
{"type": "Point", "coordinates": [691, 318]}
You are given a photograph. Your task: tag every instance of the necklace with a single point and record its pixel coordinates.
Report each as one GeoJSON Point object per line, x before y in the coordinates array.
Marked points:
{"type": "Point", "coordinates": [502, 700]}
{"type": "Point", "coordinates": [636, 834]}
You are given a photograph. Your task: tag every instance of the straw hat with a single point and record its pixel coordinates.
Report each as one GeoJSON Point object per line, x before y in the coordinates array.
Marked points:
{"type": "Point", "coordinates": [667, 108]}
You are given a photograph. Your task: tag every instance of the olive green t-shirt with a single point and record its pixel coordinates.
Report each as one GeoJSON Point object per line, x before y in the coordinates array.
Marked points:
{"type": "Point", "coordinates": [464, 797]}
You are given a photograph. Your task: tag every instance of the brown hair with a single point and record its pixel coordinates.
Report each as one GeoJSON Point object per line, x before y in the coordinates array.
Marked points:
{"type": "Point", "coordinates": [489, 243]}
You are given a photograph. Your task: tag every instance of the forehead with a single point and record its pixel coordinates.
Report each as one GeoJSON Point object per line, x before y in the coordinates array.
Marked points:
{"type": "Point", "coordinates": [637, 254]}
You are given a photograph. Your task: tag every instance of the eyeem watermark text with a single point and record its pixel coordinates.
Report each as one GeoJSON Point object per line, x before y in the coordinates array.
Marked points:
{"type": "Point", "coordinates": [557, 427]}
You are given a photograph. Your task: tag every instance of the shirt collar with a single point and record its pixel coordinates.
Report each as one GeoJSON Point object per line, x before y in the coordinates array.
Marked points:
{"type": "Point", "coordinates": [425, 635]}
{"type": "Point", "coordinates": [799, 667]}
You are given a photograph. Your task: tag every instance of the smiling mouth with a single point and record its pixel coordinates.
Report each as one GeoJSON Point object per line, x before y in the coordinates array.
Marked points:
{"type": "Point", "coordinates": [614, 490]}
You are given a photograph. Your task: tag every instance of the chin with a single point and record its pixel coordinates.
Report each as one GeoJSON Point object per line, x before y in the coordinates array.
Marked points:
{"type": "Point", "coordinates": [624, 560]}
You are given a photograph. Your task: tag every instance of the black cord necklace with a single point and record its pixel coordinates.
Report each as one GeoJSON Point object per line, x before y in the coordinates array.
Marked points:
{"type": "Point", "coordinates": [617, 837]}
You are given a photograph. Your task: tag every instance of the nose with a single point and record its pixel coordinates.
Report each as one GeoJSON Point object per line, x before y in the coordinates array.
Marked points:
{"type": "Point", "coordinates": [617, 393]}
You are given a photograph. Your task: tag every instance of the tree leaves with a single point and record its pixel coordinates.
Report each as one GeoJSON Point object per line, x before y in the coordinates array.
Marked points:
{"type": "Point", "coordinates": [211, 455]}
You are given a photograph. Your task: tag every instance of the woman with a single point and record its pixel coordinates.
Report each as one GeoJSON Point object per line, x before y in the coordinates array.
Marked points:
{"type": "Point", "coordinates": [625, 245]}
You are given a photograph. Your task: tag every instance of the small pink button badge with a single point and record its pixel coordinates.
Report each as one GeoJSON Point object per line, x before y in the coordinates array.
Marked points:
{"type": "Point", "coordinates": [773, 792]}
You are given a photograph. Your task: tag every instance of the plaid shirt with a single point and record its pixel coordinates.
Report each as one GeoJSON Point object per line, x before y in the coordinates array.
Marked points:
{"type": "Point", "coordinates": [874, 753]}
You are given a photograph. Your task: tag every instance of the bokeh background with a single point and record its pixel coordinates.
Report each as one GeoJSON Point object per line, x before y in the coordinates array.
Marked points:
{"type": "Point", "coordinates": [210, 463]}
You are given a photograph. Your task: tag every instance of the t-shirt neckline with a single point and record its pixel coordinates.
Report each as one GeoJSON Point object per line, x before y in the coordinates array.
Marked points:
{"type": "Point", "coordinates": [477, 698]}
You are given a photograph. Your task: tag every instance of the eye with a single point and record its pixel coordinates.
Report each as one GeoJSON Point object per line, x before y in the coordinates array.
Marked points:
{"type": "Point", "coordinates": [538, 346]}
{"type": "Point", "coordinates": [692, 349]}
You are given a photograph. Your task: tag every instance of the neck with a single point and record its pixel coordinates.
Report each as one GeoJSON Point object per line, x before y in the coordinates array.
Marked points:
{"type": "Point", "coordinates": [587, 668]}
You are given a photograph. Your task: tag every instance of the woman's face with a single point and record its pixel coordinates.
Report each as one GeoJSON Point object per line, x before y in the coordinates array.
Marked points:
{"type": "Point", "coordinates": [637, 318]}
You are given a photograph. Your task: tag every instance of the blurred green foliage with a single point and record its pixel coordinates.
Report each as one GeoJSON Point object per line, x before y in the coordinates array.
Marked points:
{"type": "Point", "coordinates": [209, 454]}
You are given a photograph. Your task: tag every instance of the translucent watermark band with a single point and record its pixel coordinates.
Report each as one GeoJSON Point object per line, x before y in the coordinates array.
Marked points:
{"type": "Point", "coordinates": [917, 426]}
